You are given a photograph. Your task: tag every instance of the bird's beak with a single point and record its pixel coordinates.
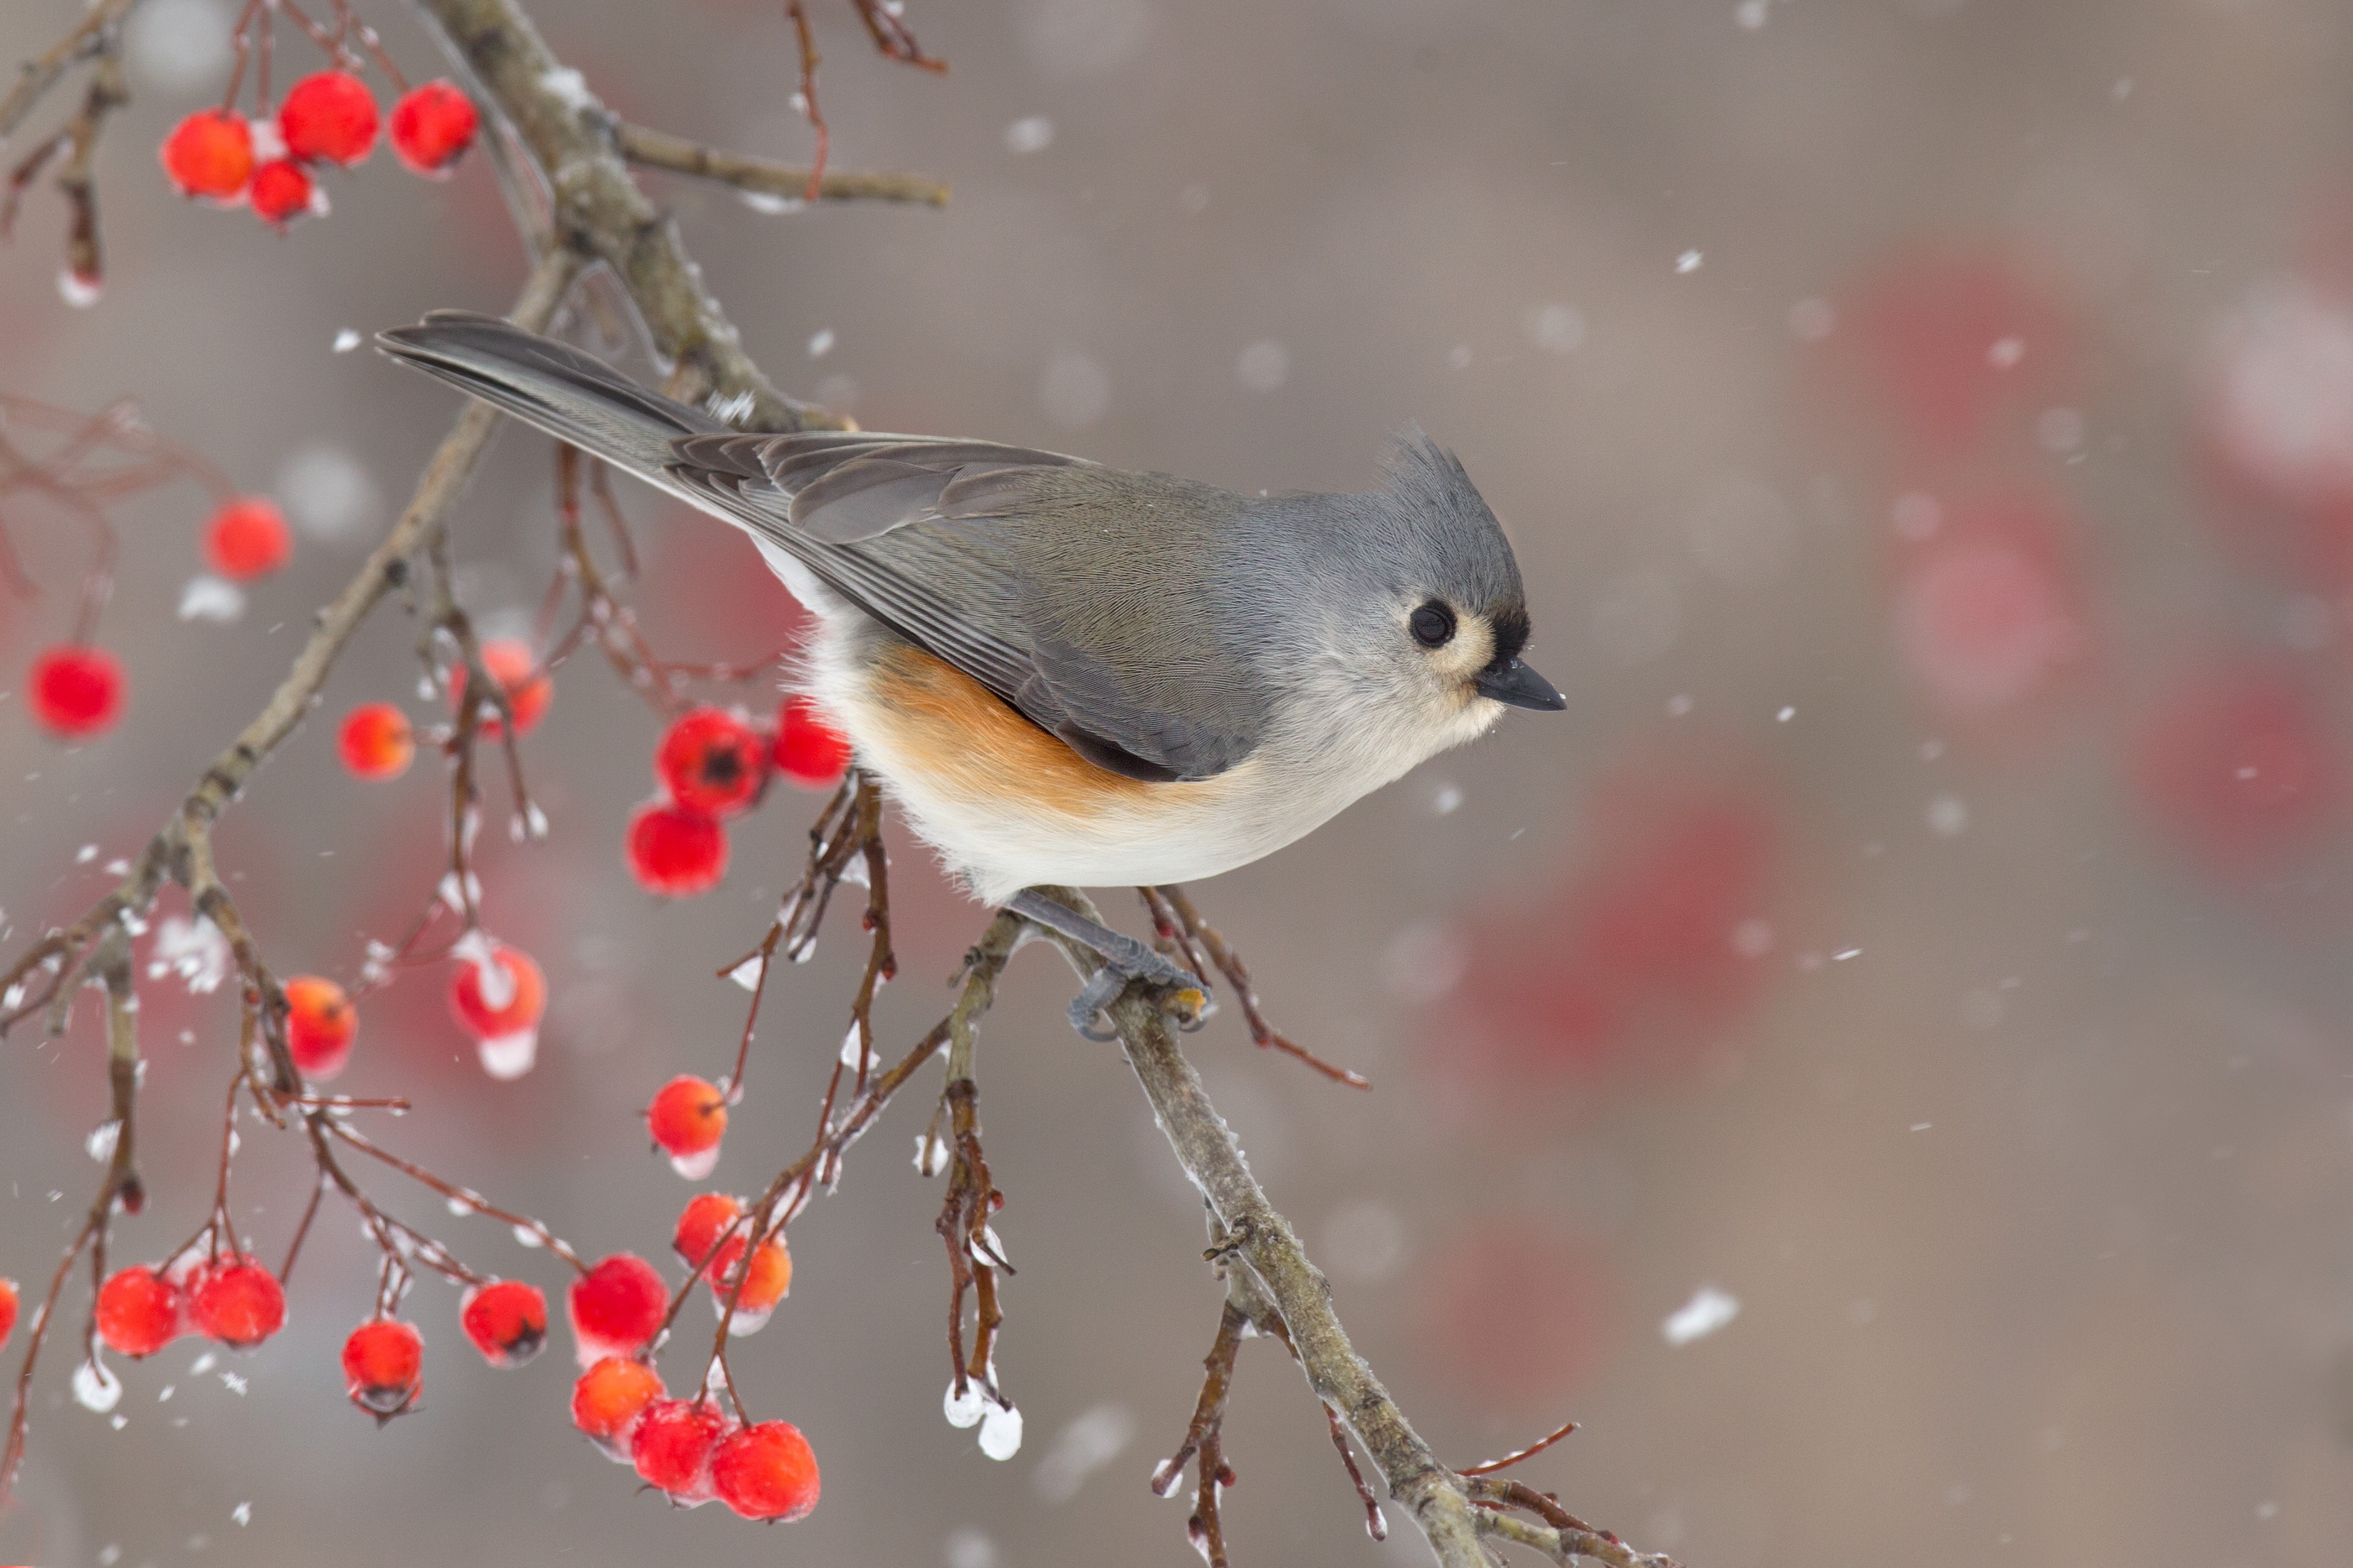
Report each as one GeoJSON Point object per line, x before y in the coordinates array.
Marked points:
{"type": "Point", "coordinates": [1509, 680]}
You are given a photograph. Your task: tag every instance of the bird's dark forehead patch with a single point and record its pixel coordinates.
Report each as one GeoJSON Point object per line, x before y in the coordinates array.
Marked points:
{"type": "Point", "coordinates": [1509, 625]}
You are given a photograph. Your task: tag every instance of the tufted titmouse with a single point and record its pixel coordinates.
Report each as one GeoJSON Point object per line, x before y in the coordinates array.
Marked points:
{"type": "Point", "coordinates": [1069, 674]}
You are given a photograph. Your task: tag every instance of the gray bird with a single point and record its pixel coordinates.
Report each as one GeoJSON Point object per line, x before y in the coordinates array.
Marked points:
{"type": "Point", "coordinates": [1067, 673]}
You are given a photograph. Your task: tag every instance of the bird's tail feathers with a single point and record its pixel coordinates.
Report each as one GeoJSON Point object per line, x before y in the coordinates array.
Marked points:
{"type": "Point", "coordinates": [571, 396]}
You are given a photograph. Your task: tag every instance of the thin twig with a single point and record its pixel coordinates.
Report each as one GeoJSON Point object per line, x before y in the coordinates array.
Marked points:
{"type": "Point", "coordinates": [651, 148]}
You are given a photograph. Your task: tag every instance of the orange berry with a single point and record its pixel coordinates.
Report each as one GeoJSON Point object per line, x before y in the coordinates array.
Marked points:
{"type": "Point", "coordinates": [248, 538]}
{"type": "Point", "coordinates": [770, 1279]}
{"type": "Point", "coordinates": [320, 1024]}
{"type": "Point", "coordinates": [377, 742]}
{"type": "Point", "coordinates": [237, 1302]}
{"type": "Point", "coordinates": [687, 1119]}
{"type": "Point", "coordinates": [810, 750]}
{"type": "Point", "coordinates": [766, 1471]}
{"type": "Point", "coordinates": [702, 1222]}
{"type": "Point", "coordinates": [527, 999]}
{"type": "Point", "coordinates": [210, 154]}
{"type": "Point", "coordinates": [139, 1310]}
{"type": "Point", "coordinates": [510, 664]}
{"type": "Point", "coordinates": [384, 1367]}
{"type": "Point", "coordinates": [609, 1400]}
{"type": "Point", "coordinates": [7, 1309]}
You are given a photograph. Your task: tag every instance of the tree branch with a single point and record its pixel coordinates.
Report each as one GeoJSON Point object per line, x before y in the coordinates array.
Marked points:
{"type": "Point", "coordinates": [650, 148]}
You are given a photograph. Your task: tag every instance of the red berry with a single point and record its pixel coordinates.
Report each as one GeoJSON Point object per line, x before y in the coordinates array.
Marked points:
{"type": "Point", "coordinates": [248, 538]}
{"type": "Point", "coordinates": [527, 999]}
{"type": "Point", "coordinates": [673, 1447]}
{"type": "Point", "coordinates": [687, 1119]}
{"type": "Point", "coordinates": [283, 191]}
{"type": "Point", "coordinates": [767, 1472]}
{"type": "Point", "coordinates": [510, 664]}
{"type": "Point", "coordinates": [675, 851]}
{"type": "Point", "coordinates": [7, 1309]}
{"type": "Point", "coordinates": [377, 742]}
{"type": "Point", "coordinates": [702, 1222]}
{"type": "Point", "coordinates": [609, 1400]}
{"type": "Point", "coordinates": [384, 1367]}
{"type": "Point", "coordinates": [238, 1302]}
{"type": "Point", "coordinates": [507, 1321]}
{"type": "Point", "coordinates": [139, 1310]}
{"type": "Point", "coordinates": [810, 750]}
{"type": "Point", "coordinates": [210, 154]}
{"type": "Point", "coordinates": [617, 1306]}
{"type": "Point", "coordinates": [711, 762]}
{"type": "Point", "coordinates": [432, 126]}
{"type": "Point", "coordinates": [76, 690]}
{"type": "Point", "coordinates": [331, 116]}
{"type": "Point", "coordinates": [770, 1279]}
{"type": "Point", "coordinates": [320, 1024]}
{"type": "Point", "coordinates": [2240, 765]}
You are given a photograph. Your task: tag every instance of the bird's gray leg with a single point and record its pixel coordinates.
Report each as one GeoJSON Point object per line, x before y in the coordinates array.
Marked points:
{"type": "Point", "coordinates": [1124, 959]}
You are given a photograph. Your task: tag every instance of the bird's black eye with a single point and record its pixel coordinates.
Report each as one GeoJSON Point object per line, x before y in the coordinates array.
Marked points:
{"type": "Point", "coordinates": [1433, 625]}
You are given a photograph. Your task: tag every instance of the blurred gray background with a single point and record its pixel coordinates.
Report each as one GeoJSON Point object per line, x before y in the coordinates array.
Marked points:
{"type": "Point", "coordinates": [1927, 431]}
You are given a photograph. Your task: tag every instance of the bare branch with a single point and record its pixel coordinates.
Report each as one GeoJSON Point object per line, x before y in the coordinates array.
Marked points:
{"type": "Point", "coordinates": [650, 148]}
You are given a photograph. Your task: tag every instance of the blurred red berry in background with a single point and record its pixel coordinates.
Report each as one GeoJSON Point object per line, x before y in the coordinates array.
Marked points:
{"type": "Point", "coordinates": [7, 1309]}
{"type": "Point", "coordinates": [1988, 610]}
{"type": "Point", "coordinates": [283, 191]}
{"type": "Point", "coordinates": [330, 116]}
{"type": "Point", "coordinates": [1658, 938]}
{"type": "Point", "coordinates": [675, 852]}
{"type": "Point", "coordinates": [1942, 339]}
{"type": "Point", "coordinates": [321, 1025]}
{"type": "Point", "coordinates": [810, 750]}
{"type": "Point", "coordinates": [432, 126]}
{"type": "Point", "coordinates": [76, 690]}
{"type": "Point", "coordinates": [377, 742]}
{"type": "Point", "coordinates": [1510, 1317]}
{"type": "Point", "coordinates": [510, 664]}
{"type": "Point", "coordinates": [247, 538]}
{"type": "Point", "coordinates": [210, 154]}
{"type": "Point", "coordinates": [2238, 768]}
{"type": "Point", "coordinates": [518, 1009]}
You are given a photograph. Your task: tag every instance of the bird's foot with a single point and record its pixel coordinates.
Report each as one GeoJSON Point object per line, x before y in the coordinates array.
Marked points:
{"type": "Point", "coordinates": [1125, 960]}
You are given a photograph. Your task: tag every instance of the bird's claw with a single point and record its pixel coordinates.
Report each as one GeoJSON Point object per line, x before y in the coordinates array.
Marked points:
{"type": "Point", "coordinates": [1124, 959]}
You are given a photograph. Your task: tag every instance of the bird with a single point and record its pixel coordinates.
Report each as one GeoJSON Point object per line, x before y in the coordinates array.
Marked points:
{"type": "Point", "coordinates": [1067, 674]}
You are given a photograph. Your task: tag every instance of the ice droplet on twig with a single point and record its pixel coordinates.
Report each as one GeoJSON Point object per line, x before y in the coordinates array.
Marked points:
{"type": "Point", "coordinates": [1000, 1432]}
{"type": "Point", "coordinates": [931, 1154]}
{"type": "Point", "coordinates": [510, 1055]}
{"type": "Point", "coordinates": [747, 973]}
{"type": "Point", "coordinates": [204, 597]}
{"type": "Point", "coordinates": [95, 1387]}
{"type": "Point", "coordinates": [102, 1141]}
{"type": "Point", "coordinates": [965, 1409]}
{"type": "Point", "coordinates": [697, 1165]}
{"type": "Point", "coordinates": [852, 1051]}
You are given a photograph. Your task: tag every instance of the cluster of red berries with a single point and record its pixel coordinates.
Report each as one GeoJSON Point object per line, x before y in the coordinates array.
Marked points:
{"type": "Point", "coordinates": [377, 740]}
{"type": "Point", "coordinates": [231, 1297]}
{"type": "Point", "coordinates": [383, 1359]}
{"type": "Point", "coordinates": [327, 117]}
{"type": "Point", "coordinates": [713, 764]}
{"type": "Point", "coordinates": [766, 1279]}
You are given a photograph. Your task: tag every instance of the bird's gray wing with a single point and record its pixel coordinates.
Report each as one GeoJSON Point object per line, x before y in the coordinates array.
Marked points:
{"type": "Point", "coordinates": [1026, 569]}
